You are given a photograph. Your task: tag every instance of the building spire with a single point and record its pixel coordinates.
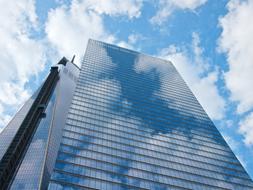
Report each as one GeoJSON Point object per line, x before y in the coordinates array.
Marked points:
{"type": "Point", "coordinates": [72, 61]}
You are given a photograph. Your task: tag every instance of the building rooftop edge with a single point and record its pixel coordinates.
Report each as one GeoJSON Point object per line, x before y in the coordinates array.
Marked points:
{"type": "Point", "coordinates": [129, 50]}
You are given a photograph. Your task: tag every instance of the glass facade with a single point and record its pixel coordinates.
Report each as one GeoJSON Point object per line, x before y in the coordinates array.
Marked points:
{"type": "Point", "coordinates": [30, 170]}
{"type": "Point", "coordinates": [36, 166]}
{"type": "Point", "coordinates": [134, 124]}
{"type": "Point", "coordinates": [10, 130]}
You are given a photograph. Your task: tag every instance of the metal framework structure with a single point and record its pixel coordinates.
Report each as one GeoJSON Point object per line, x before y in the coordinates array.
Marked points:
{"type": "Point", "coordinates": [15, 152]}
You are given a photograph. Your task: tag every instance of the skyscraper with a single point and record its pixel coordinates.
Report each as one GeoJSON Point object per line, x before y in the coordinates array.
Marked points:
{"type": "Point", "coordinates": [29, 143]}
{"type": "Point", "coordinates": [133, 123]}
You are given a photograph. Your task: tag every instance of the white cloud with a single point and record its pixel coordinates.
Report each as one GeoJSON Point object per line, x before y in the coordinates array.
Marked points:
{"type": "Point", "coordinates": [166, 7]}
{"type": "Point", "coordinates": [192, 70]}
{"type": "Point", "coordinates": [131, 8]}
{"type": "Point", "coordinates": [83, 20]}
{"type": "Point", "coordinates": [246, 128]}
{"type": "Point", "coordinates": [132, 38]}
{"type": "Point", "coordinates": [67, 30]}
{"type": "Point", "coordinates": [135, 37]}
{"type": "Point", "coordinates": [236, 41]}
{"type": "Point", "coordinates": [21, 56]}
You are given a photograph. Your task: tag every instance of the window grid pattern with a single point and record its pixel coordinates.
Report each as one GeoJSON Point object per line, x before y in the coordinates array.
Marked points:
{"type": "Point", "coordinates": [134, 124]}
{"type": "Point", "coordinates": [11, 129]}
{"type": "Point", "coordinates": [31, 167]}
{"type": "Point", "coordinates": [101, 111]}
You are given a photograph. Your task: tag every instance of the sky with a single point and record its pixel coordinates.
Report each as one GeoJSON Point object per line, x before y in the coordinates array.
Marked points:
{"type": "Point", "coordinates": [209, 42]}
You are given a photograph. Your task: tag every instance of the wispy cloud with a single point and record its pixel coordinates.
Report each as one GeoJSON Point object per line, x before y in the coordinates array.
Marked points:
{"type": "Point", "coordinates": [68, 28]}
{"type": "Point", "coordinates": [21, 55]}
{"type": "Point", "coordinates": [166, 8]}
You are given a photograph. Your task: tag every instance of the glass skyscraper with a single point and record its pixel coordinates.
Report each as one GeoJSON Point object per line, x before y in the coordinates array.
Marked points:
{"type": "Point", "coordinates": [30, 142]}
{"type": "Point", "coordinates": [132, 123]}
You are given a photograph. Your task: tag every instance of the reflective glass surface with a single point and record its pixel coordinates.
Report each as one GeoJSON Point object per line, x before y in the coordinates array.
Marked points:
{"type": "Point", "coordinates": [65, 90]}
{"type": "Point", "coordinates": [11, 129]}
{"type": "Point", "coordinates": [29, 172]}
{"type": "Point", "coordinates": [134, 124]}
{"type": "Point", "coordinates": [37, 164]}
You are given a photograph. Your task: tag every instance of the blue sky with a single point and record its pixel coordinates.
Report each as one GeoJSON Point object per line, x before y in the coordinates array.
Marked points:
{"type": "Point", "coordinates": [209, 42]}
